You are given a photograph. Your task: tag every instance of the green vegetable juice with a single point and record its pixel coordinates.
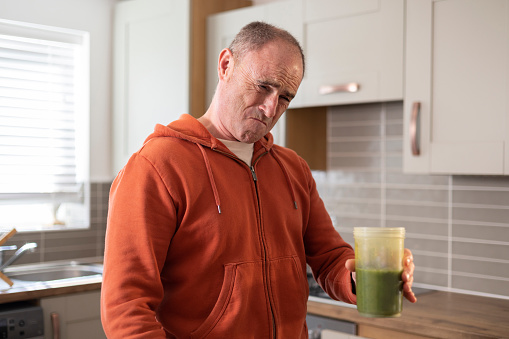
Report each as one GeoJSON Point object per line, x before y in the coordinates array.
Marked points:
{"type": "Point", "coordinates": [379, 292]}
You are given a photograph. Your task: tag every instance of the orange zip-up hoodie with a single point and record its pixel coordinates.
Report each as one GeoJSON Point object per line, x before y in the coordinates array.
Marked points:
{"type": "Point", "coordinates": [201, 245]}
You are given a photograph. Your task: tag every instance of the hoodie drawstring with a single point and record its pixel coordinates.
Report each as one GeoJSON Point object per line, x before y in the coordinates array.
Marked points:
{"type": "Point", "coordinates": [211, 177]}
{"type": "Point", "coordinates": [213, 183]}
{"type": "Point", "coordinates": [285, 172]}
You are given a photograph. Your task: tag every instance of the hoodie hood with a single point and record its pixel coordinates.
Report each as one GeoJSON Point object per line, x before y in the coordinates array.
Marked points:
{"type": "Point", "coordinates": [189, 128]}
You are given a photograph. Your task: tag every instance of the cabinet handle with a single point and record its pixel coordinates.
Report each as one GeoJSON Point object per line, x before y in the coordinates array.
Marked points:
{"type": "Point", "coordinates": [55, 324]}
{"type": "Point", "coordinates": [330, 89]}
{"type": "Point", "coordinates": [414, 143]}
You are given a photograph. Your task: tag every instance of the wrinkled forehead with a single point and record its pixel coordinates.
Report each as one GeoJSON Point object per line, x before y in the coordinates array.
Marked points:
{"type": "Point", "coordinates": [277, 51]}
{"type": "Point", "coordinates": [276, 63]}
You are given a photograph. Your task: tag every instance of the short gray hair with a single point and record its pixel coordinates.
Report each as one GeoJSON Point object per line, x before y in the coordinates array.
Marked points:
{"type": "Point", "coordinates": [255, 35]}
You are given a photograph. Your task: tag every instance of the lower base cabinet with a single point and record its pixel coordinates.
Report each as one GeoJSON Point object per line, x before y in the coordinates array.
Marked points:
{"type": "Point", "coordinates": [374, 332]}
{"type": "Point", "coordinates": [73, 316]}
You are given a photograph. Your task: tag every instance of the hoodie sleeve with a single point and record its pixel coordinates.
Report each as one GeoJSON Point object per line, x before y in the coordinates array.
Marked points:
{"type": "Point", "coordinates": [326, 251]}
{"type": "Point", "coordinates": [141, 222]}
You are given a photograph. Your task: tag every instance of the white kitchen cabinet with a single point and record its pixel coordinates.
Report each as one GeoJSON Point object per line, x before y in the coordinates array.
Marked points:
{"type": "Point", "coordinates": [74, 316]}
{"type": "Point", "coordinates": [456, 109]}
{"type": "Point", "coordinates": [354, 51]}
{"type": "Point", "coordinates": [331, 334]}
{"type": "Point", "coordinates": [222, 28]}
{"type": "Point", "coordinates": [151, 70]}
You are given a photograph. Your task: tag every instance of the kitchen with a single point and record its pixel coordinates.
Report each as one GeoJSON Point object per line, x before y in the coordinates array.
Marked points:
{"type": "Point", "coordinates": [457, 222]}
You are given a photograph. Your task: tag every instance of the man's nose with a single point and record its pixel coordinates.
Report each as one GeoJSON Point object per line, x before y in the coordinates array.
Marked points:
{"type": "Point", "coordinates": [269, 106]}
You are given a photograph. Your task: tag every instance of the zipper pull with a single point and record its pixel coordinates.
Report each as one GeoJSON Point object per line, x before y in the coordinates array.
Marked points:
{"type": "Point", "coordinates": [253, 173]}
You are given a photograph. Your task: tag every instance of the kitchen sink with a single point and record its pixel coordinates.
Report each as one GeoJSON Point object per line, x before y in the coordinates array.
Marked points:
{"type": "Point", "coordinates": [57, 273]}
{"type": "Point", "coordinates": [54, 272]}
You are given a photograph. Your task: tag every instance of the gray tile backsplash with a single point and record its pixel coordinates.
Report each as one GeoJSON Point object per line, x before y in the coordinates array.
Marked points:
{"type": "Point", "coordinates": [70, 244]}
{"type": "Point", "coordinates": [457, 226]}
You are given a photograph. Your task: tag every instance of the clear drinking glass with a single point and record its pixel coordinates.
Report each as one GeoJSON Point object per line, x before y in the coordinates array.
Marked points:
{"type": "Point", "coordinates": [378, 266]}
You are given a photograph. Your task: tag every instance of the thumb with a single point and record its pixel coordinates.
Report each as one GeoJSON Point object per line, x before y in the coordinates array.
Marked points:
{"type": "Point", "coordinates": [350, 265]}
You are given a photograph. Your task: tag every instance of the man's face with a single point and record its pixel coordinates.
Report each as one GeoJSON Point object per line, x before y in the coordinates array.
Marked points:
{"type": "Point", "coordinates": [259, 89]}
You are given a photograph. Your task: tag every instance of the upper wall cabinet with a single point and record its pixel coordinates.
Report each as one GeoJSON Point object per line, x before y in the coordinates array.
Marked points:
{"type": "Point", "coordinates": [457, 85]}
{"type": "Point", "coordinates": [354, 51]}
{"type": "Point", "coordinates": [151, 70]}
{"type": "Point", "coordinates": [221, 30]}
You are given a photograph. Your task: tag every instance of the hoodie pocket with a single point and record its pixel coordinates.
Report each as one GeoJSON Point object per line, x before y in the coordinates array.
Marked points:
{"type": "Point", "coordinates": [289, 292]}
{"type": "Point", "coordinates": [241, 308]}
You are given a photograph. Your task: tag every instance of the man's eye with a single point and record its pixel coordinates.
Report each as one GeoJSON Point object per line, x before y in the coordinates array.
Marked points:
{"type": "Point", "coordinates": [287, 99]}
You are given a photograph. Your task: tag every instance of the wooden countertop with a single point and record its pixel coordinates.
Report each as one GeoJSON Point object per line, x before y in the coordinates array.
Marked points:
{"type": "Point", "coordinates": [435, 315]}
{"type": "Point", "coordinates": [23, 293]}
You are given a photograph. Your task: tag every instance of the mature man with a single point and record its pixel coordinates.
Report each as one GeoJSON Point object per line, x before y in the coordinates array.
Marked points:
{"type": "Point", "coordinates": [211, 224]}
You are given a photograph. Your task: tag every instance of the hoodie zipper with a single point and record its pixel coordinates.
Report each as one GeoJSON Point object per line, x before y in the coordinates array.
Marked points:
{"type": "Point", "coordinates": [264, 247]}
{"type": "Point", "coordinates": [255, 178]}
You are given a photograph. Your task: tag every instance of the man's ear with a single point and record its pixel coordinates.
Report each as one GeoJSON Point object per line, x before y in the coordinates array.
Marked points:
{"type": "Point", "coordinates": [225, 64]}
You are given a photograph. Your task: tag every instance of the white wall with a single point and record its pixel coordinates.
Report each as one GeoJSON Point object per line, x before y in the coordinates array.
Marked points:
{"type": "Point", "coordinates": [95, 17]}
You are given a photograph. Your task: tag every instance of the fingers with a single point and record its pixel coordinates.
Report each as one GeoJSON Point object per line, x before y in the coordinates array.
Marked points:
{"type": "Point", "coordinates": [408, 272]}
{"type": "Point", "coordinates": [350, 265]}
{"type": "Point", "coordinates": [408, 266]}
{"type": "Point", "coordinates": [408, 280]}
{"type": "Point", "coordinates": [408, 276]}
{"type": "Point", "coordinates": [407, 257]}
{"type": "Point", "coordinates": [409, 294]}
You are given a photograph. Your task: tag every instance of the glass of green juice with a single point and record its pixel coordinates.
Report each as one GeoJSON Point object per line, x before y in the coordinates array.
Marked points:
{"type": "Point", "coordinates": [378, 266]}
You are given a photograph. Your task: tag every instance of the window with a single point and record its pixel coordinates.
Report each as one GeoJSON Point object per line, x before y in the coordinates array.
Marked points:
{"type": "Point", "coordinates": [44, 127]}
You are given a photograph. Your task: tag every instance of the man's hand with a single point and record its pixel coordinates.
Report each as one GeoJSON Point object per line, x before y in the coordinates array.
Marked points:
{"type": "Point", "coordinates": [407, 275]}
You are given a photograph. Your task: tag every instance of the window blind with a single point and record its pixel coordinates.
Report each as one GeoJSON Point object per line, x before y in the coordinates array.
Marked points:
{"type": "Point", "coordinates": [39, 103]}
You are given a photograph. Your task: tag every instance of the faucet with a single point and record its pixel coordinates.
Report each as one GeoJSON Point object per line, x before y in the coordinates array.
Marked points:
{"type": "Point", "coordinates": [27, 247]}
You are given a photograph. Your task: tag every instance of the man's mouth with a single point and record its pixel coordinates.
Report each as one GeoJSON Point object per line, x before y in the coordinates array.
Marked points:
{"type": "Point", "coordinates": [261, 121]}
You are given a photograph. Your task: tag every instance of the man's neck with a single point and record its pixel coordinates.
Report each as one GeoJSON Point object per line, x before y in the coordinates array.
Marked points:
{"type": "Point", "coordinates": [212, 124]}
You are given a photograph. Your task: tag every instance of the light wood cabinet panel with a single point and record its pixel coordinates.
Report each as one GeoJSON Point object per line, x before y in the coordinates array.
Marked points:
{"type": "Point", "coordinates": [306, 134]}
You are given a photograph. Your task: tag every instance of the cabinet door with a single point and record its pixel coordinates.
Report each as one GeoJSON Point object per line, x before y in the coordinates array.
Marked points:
{"type": "Point", "coordinates": [221, 30]}
{"type": "Point", "coordinates": [78, 316]}
{"type": "Point", "coordinates": [374, 332]}
{"type": "Point", "coordinates": [151, 70]}
{"type": "Point", "coordinates": [353, 42]}
{"type": "Point", "coordinates": [457, 85]}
